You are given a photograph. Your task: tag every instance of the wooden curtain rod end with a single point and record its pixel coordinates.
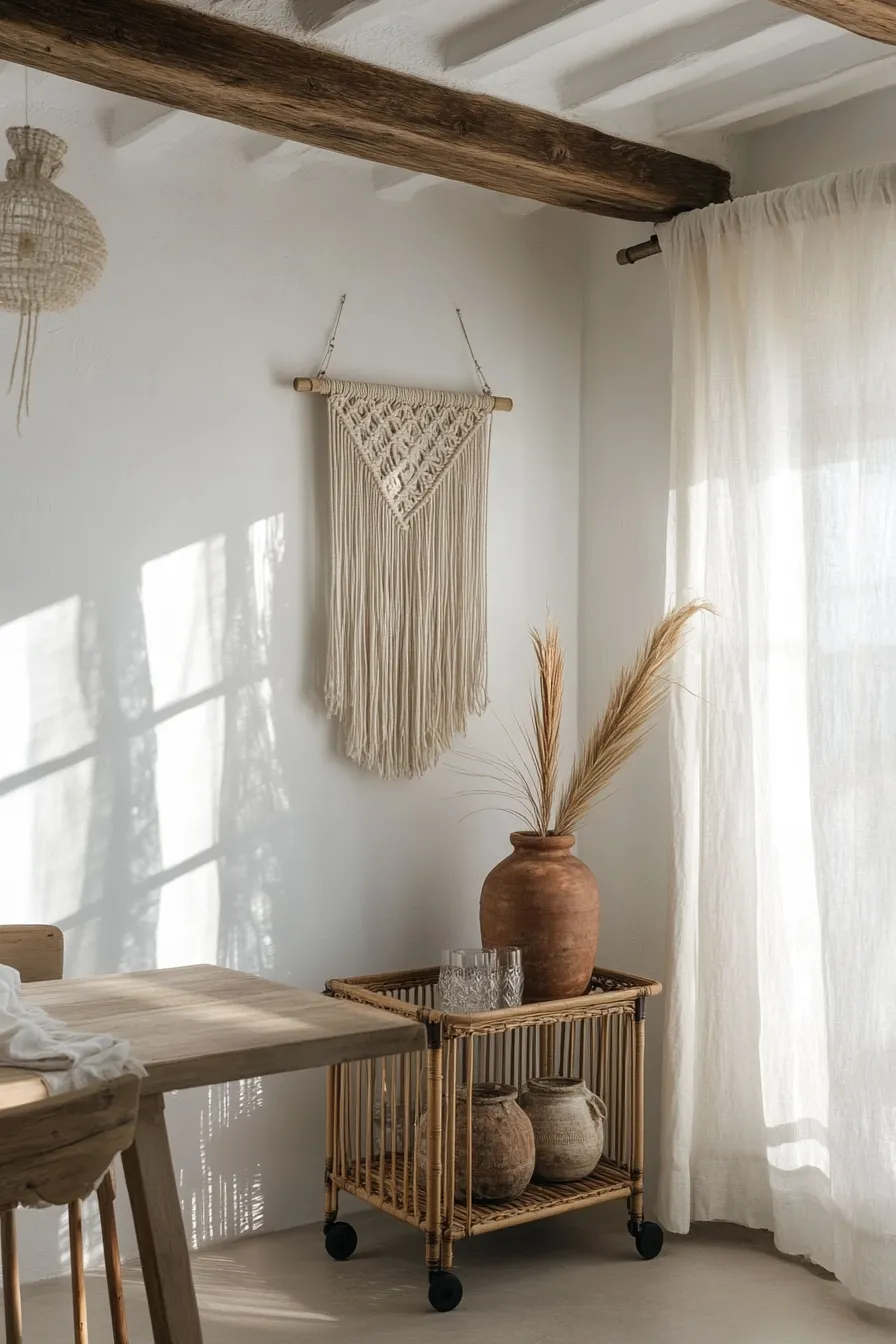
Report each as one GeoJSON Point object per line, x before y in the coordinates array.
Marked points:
{"type": "Point", "coordinates": [627, 256]}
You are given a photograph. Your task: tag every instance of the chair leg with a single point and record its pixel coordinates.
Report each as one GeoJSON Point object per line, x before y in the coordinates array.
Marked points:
{"type": "Point", "coordinates": [12, 1298]}
{"type": "Point", "coordinates": [79, 1294]}
{"type": "Point", "coordinates": [106, 1198]}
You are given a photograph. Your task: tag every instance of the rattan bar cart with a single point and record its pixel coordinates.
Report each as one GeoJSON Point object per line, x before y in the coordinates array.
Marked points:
{"type": "Point", "coordinates": [384, 1115]}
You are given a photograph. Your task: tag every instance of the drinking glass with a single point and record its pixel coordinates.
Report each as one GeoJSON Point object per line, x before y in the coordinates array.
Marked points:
{"type": "Point", "coordinates": [448, 981]}
{"type": "Point", "coordinates": [468, 980]}
{"type": "Point", "coordinates": [510, 977]}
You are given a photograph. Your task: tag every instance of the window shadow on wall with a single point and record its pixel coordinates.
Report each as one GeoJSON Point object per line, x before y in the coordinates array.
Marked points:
{"type": "Point", "coordinates": [143, 806]}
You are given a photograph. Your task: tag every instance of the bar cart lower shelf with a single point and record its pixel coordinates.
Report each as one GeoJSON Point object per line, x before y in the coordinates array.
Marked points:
{"type": "Point", "coordinates": [392, 1122]}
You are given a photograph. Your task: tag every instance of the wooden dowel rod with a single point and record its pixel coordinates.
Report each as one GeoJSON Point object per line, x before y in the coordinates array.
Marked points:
{"type": "Point", "coordinates": [322, 386]}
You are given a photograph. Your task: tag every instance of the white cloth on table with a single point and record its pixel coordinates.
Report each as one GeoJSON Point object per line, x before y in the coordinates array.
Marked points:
{"type": "Point", "coordinates": [67, 1059]}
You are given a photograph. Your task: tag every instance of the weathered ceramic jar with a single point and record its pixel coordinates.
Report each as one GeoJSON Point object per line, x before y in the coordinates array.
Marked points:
{"type": "Point", "coordinates": [503, 1144]}
{"type": "Point", "coordinates": [544, 900]}
{"type": "Point", "coordinates": [568, 1121]}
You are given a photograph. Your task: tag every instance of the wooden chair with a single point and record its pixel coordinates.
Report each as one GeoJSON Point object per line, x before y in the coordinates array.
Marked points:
{"type": "Point", "coordinates": [36, 951]}
{"type": "Point", "coordinates": [56, 1151]}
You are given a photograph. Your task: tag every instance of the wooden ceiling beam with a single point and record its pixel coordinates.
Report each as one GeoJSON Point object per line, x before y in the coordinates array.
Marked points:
{"type": "Point", "coordinates": [203, 64]}
{"type": "Point", "coordinates": [868, 18]}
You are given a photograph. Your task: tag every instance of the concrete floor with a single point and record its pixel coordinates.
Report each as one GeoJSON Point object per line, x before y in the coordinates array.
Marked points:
{"type": "Point", "coordinates": [570, 1278]}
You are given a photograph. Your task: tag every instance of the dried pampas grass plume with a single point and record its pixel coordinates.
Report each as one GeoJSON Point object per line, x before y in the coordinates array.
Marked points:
{"type": "Point", "coordinates": [639, 692]}
{"type": "Point", "coordinates": [546, 711]}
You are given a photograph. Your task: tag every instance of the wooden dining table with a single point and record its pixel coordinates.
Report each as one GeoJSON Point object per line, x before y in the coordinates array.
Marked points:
{"type": "Point", "coordinates": [195, 1026]}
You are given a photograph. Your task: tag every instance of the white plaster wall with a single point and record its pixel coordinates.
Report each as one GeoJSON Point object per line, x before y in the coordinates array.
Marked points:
{"type": "Point", "coordinates": [165, 460]}
{"type": "Point", "coordinates": [626, 359]}
{"type": "Point", "coordinates": [856, 134]}
{"type": "Point", "coordinates": [625, 438]}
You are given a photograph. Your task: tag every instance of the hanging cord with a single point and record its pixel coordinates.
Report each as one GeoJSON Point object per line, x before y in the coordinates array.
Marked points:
{"type": "Point", "coordinates": [26, 346]}
{"type": "Point", "coordinates": [27, 334]}
{"type": "Point", "coordinates": [329, 350]}
{"type": "Point", "coordinates": [331, 345]}
{"type": "Point", "coordinates": [485, 387]}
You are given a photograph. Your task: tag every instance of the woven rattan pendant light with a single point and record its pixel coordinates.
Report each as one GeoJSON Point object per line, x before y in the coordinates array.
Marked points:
{"type": "Point", "coordinates": [51, 248]}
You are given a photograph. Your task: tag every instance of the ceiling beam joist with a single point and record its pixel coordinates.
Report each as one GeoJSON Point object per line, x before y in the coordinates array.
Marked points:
{"type": "Point", "coordinates": [200, 63]}
{"type": "Point", "coordinates": [518, 209]}
{"type": "Point", "coordinates": [146, 125]}
{"type": "Point", "coordinates": [397, 186]}
{"type": "Point", "coordinates": [336, 18]}
{"type": "Point", "coordinates": [281, 158]}
{"type": "Point", "coordinates": [514, 35]}
{"type": "Point", "coordinates": [769, 94]}
{"type": "Point", "coordinates": [868, 18]}
{"type": "Point", "coordinates": [726, 43]}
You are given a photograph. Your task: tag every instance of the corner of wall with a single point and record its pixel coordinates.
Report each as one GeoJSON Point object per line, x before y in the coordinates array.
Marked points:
{"type": "Point", "coordinates": [626, 410]}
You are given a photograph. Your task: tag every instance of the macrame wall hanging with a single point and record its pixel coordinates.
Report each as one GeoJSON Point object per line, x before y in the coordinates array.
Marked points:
{"type": "Point", "coordinates": [51, 248]}
{"type": "Point", "coordinates": [407, 656]}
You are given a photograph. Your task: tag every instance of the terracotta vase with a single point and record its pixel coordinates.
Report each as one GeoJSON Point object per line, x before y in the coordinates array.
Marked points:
{"type": "Point", "coordinates": [503, 1144]}
{"type": "Point", "coordinates": [568, 1121]}
{"type": "Point", "coordinates": [544, 900]}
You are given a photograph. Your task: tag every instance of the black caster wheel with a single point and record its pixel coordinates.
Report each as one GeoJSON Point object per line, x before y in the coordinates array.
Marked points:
{"type": "Point", "coordinates": [340, 1241]}
{"type": "Point", "coordinates": [649, 1240]}
{"type": "Point", "coordinates": [632, 1227]}
{"type": "Point", "coordinates": [445, 1291]}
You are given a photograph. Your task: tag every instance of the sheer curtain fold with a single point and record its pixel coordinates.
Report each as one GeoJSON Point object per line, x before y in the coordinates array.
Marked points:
{"type": "Point", "coordinates": [780, 1061]}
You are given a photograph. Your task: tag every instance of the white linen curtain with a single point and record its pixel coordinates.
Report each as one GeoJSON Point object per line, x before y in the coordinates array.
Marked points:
{"type": "Point", "coordinates": [780, 1061]}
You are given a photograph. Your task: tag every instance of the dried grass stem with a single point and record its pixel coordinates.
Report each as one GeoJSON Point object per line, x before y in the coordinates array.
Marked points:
{"type": "Point", "coordinates": [638, 693]}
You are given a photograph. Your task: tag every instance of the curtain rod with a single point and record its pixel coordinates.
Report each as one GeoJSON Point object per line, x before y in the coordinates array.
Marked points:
{"type": "Point", "coordinates": [627, 256]}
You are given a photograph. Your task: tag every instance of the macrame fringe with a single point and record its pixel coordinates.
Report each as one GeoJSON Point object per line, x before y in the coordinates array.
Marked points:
{"type": "Point", "coordinates": [407, 659]}
{"type": "Point", "coordinates": [26, 345]}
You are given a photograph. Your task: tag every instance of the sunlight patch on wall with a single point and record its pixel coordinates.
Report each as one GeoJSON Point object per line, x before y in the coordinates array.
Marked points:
{"type": "Point", "coordinates": [43, 839]}
{"type": "Point", "coordinates": [266, 549]}
{"type": "Point", "coordinates": [188, 918]}
{"type": "Point", "coordinates": [44, 818]}
{"type": "Point", "coordinates": [190, 750]}
{"type": "Point", "coordinates": [183, 605]}
{"type": "Point", "coordinates": [42, 711]}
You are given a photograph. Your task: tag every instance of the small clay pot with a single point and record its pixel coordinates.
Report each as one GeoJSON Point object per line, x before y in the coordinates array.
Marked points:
{"type": "Point", "coordinates": [568, 1122]}
{"type": "Point", "coordinates": [503, 1144]}
{"type": "Point", "coordinates": [542, 899]}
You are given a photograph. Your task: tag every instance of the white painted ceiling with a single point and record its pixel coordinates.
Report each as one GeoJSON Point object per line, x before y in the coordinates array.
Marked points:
{"type": "Point", "coordinates": [688, 74]}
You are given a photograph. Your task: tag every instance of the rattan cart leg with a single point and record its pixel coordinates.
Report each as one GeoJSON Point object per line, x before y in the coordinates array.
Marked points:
{"type": "Point", "coordinates": [637, 1200]}
{"type": "Point", "coordinates": [547, 1064]}
{"type": "Point", "coordinates": [434, 1147]}
{"type": "Point", "coordinates": [331, 1192]}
